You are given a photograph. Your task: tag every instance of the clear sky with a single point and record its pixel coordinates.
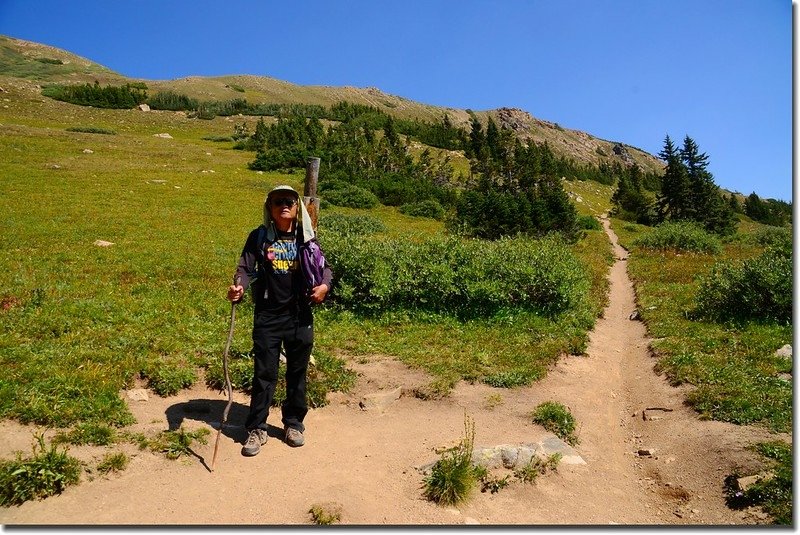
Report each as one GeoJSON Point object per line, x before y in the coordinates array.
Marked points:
{"type": "Point", "coordinates": [719, 71]}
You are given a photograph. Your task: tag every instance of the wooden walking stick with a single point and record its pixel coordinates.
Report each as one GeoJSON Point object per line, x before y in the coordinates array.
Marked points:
{"type": "Point", "coordinates": [236, 281]}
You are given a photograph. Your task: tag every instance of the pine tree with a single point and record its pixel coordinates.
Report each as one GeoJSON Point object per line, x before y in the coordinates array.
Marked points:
{"type": "Point", "coordinates": [674, 199]}
{"type": "Point", "coordinates": [706, 202]}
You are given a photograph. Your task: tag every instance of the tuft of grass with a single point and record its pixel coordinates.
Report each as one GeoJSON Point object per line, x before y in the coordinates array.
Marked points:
{"type": "Point", "coordinates": [453, 476]}
{"type": "Point", "coordinates": [47, 472]}
{"type": "Point", "coordinates": [325, 514]}
{"type": "Point", "coordinates": [113, 462]}
{"type": "Point", "coordinates": [94, 433]}
{"type": "Point", "coordinates": [537, 467]}
{"type": "Point", "coordinates": [174, 444]}
{"type": "Point", "coordinates": [557, 419]}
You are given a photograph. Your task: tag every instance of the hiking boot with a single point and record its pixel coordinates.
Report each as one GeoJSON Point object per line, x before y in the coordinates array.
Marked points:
{"type": "Point", "coordinates": [294, 437]}
{"type": "Point", "coordinates": [255, 439]}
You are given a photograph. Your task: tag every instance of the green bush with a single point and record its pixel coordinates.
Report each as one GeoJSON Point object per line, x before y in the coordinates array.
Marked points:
{"type": "Point", "coordinates": [756, 289]}
{"type": "Point", "coordinates": [777, 237]}
{"type": "Point", "coordinates": [680, 236]}
{"type": "Point", "coordinates": [46, 473]}
{"type": "Point", "coordinates": [557, 419]}
{"type": "Point", "coordinates": [587, 222]}
{"type": "Point", "coordinates": [352, 197]}
{"type": "Point", "coordinates": [464, 277]}
{"type": "Point", "coordinates": [427, 208]}
{"type": "Point", "coordinates": [91, 130]}
{"type": "Point", "coordinates": [351, 225]}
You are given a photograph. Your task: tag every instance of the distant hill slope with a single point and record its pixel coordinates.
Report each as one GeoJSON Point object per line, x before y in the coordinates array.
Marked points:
{"type": "Point", "coordinates": [47, 64]}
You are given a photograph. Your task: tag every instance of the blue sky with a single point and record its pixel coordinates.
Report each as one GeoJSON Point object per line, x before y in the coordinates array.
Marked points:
{"type": "Point", "coordinates": [719, 71]}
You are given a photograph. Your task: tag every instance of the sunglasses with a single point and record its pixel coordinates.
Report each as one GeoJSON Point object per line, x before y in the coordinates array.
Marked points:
{"type": "Point", "coordinates": [285, 201]}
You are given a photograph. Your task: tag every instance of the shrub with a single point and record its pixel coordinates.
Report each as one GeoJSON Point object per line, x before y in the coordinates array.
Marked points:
{"type": "Point", "coordinates": [557, 419]}
{"type": "Point", "coordinates": [464, 277]}
{"type": "Point", "coordinates": [352, 197]}
{"type": "Point", "coordinates": [453, 476]}
{"type": "Point", "coordinates": [680, 236]}
{"type": "Point", "coordinates": [218, 139]}
{"type": "Point", "coordinates": [427, 208]}
{"type": "Point", "coordinates": [91, 130]}
{"type": "Point", "coordinates": [756, 289]}
{"type": "Point", "coordinates": [776, 237]}
{"type": "Point", "coordinates": [587, 222]}
{"type": "Point", "coordinates": [351, 225]}
{"type": "Point", "coordinates": [46, 473]}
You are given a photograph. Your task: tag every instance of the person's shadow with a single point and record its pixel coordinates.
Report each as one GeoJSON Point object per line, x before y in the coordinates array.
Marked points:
{"type": "Point", "coordinates": [211, 411]}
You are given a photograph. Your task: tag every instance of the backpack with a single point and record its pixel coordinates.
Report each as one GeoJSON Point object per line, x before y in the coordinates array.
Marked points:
{"type": "Point", "coordinates": [312, 260]}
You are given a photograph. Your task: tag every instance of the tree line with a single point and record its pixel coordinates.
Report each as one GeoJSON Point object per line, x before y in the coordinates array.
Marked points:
{"type": "Point", "coordinates": [688, 193]}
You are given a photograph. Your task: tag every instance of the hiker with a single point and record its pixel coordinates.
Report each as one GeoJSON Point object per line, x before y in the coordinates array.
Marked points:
{"type": "Point", "coordinates": [270, 265]}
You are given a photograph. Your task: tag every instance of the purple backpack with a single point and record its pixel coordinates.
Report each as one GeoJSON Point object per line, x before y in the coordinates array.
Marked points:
{"type": "Point", "coordinates": [312, 262]}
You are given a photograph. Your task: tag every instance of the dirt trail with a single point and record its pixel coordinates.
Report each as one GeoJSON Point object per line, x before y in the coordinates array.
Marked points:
{"type": "Point", "coordinates": [364, 460]}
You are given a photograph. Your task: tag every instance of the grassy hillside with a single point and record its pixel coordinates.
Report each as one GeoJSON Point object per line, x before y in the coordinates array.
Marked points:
{"type": "Point", "coordinates": [40, 63]}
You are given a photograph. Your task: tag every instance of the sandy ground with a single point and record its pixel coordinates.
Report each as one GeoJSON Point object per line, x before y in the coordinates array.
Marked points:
{"type": "Point", "coordinates": [364, 460]}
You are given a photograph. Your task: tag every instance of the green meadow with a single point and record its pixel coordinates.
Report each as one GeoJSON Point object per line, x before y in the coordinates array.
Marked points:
{"type": "Point", "coordinates": [82, 321]}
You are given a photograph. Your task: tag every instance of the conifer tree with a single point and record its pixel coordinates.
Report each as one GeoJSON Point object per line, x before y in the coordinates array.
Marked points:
{"type": "Point", "coordinates": [674, 199]}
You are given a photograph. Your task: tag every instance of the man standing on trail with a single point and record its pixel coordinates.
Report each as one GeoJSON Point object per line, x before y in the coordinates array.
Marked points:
{"type": "Point", "coordinates": [271, 263]}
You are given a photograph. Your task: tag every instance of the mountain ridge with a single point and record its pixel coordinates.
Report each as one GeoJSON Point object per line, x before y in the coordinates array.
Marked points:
{"type": "Point", "coordinates": [44, 63]}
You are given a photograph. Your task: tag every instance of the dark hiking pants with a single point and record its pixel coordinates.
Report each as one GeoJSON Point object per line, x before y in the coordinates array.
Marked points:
{"type": "Point", "coordinates": [269, 333]}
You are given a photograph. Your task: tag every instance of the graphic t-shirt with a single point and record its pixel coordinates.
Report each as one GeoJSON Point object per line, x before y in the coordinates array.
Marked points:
{"type": "Point", "coordinates": [282, 263]}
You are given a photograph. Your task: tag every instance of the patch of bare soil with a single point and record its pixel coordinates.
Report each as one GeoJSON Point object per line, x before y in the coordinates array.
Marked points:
{"type": "Point", "coordinates": [362, 456]}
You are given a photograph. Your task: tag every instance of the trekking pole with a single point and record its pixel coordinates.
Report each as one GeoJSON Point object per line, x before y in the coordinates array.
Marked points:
{"type": "Point", "coordinates": [236, 281]}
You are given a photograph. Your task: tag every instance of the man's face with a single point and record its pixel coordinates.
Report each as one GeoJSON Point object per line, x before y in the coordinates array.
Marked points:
{"type": "Point", "coordinates": [283, 207]}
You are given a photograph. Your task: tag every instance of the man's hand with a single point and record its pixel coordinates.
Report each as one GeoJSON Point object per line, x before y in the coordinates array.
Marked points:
{"type": "Point", "coordinates": [318, 293]}
{"type": "Point", "coordinates": [235, 293]}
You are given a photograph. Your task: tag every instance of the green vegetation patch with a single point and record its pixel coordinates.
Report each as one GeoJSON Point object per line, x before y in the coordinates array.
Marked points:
{"type": "Point", "coordinates": [774, 491]}
{"type": "Point", "coordinates": [557, 419]}
{"type": "Point", "coordinates": [47, 472]}
{"type": "Point", "coordinates": [680, 236]}
{"type": "Point", "coordinates": [453, 477]}
{"type": "Point", "coordinates": [733, 365]}
{"type": "Point", "coordinates": [92, 130]}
